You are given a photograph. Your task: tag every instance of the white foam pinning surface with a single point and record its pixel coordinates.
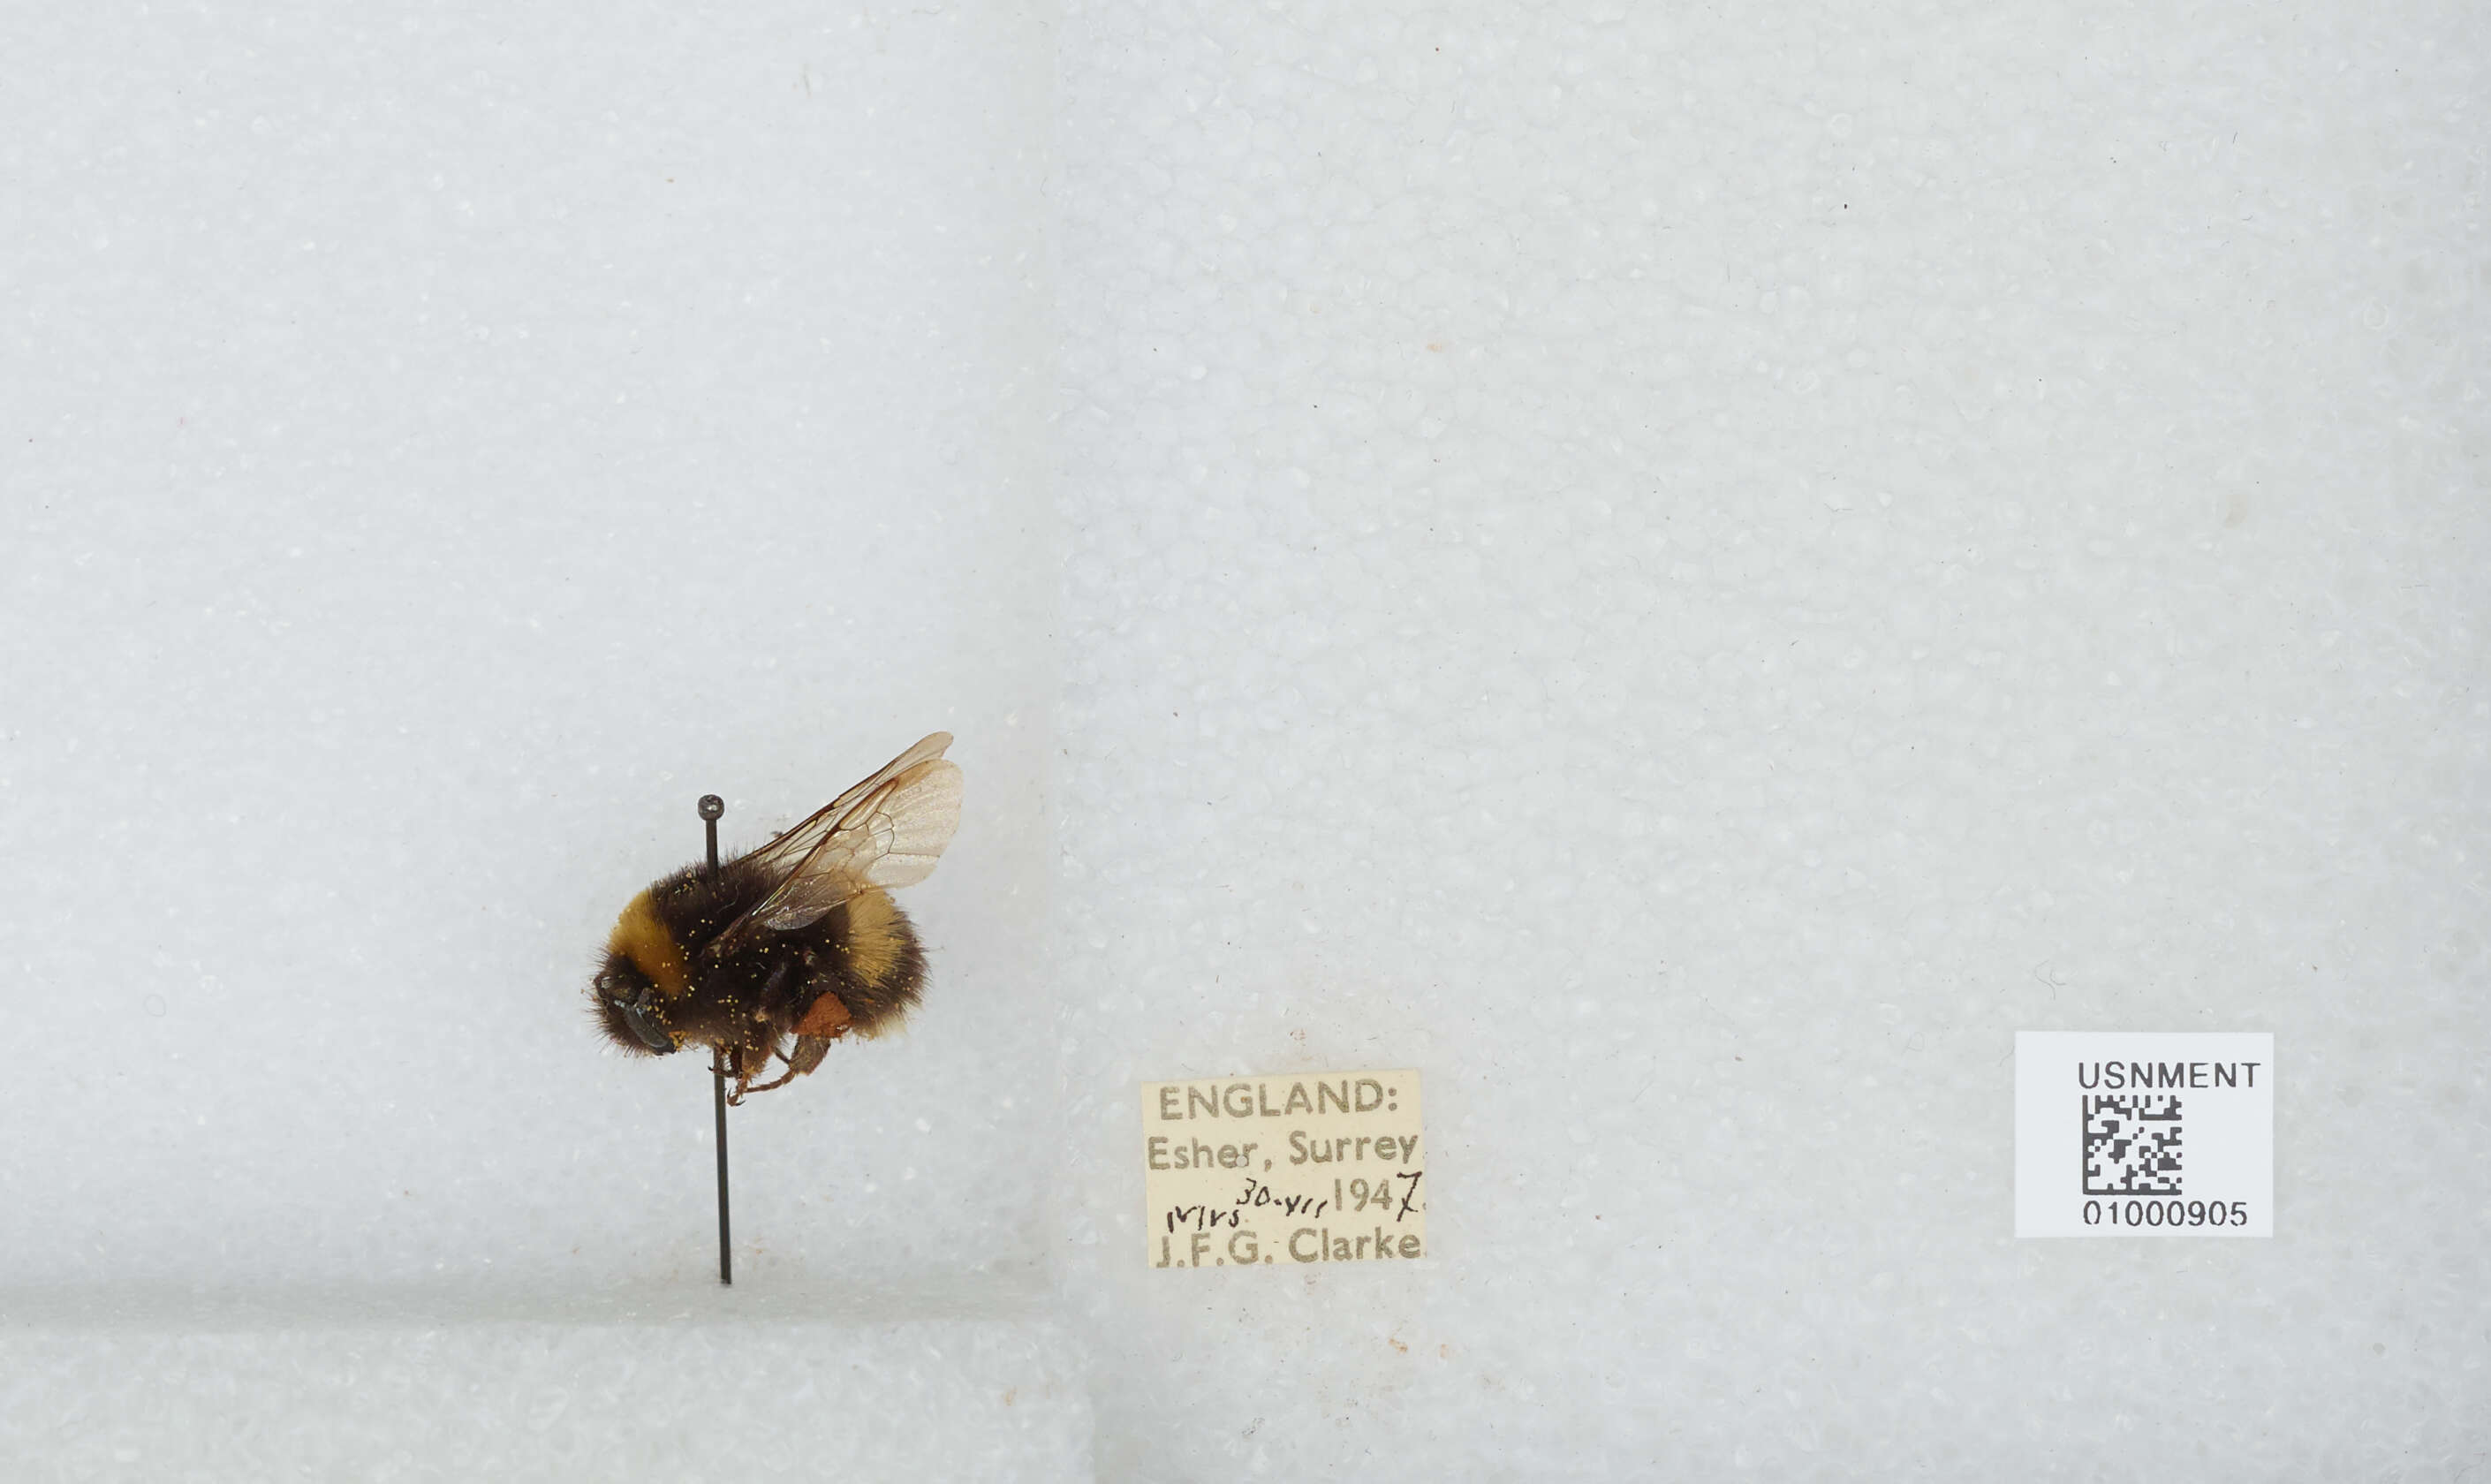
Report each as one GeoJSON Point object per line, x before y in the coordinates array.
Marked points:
{"type": "Point", "coordinates": [1688, 571]}
{"type": "Point", "coordinates": [332, 1395]}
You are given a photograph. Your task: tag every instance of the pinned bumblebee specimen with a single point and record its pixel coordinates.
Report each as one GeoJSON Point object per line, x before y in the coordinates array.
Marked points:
{"type": "Point", "coordinates": [786, 949]}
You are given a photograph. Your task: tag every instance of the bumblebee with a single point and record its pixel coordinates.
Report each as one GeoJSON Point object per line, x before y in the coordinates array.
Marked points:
{"type": "Point", "coordinates": [786, 949]}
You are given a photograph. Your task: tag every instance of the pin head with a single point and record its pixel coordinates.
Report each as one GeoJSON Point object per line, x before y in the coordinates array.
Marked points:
{"type": "Point", "coordinates": [712, 806]}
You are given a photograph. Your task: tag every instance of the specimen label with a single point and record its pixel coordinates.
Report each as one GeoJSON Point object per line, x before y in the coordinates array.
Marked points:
{"type": "Point", "coordinates": [1299, 1167]}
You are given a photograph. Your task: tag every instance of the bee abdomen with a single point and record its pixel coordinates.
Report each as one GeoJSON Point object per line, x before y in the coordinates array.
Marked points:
{"type": "Point", "coordinates": [876, 965]}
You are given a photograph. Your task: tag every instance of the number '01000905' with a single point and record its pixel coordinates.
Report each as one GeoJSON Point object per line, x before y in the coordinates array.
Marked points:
{"type": "Point", "coordinates": [2166, 1214]}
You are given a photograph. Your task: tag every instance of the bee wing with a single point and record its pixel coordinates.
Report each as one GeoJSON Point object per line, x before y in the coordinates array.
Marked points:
{"type": "Point", "coordinates": [890, 833]}
{"type": "Point", "coordinates": [786, 853]}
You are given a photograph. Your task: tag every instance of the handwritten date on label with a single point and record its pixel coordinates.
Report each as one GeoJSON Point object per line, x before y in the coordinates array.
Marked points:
{"type": "Point", "coordinates": [1247, 1172]}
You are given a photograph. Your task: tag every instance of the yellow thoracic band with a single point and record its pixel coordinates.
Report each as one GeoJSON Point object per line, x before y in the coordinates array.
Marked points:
{"type": "Point", "coordinates": [640, 937]}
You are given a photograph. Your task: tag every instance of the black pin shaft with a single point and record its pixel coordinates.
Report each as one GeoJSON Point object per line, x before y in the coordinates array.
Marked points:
{"type": "Point", "coordinates": [711, 808]}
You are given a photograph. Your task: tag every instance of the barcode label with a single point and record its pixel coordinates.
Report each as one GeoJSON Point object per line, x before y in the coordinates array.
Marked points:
{"type": "Point", "coordinates": [2144, 1133]}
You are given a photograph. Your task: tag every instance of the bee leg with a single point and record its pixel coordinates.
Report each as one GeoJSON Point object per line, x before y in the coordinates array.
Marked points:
{"type": "Point", "coordinates": [738, 1069]}
{"type": "Point", "coordinates": [809, 1050]}
{"type": "Point", "coordinates": [780, 1081]}
{"type": "Point", "coordinates": [776, 1004]}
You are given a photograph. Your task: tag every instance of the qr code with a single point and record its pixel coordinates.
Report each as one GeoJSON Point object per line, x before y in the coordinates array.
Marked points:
{"type": "Point", "coordinates": [2132, 1145]}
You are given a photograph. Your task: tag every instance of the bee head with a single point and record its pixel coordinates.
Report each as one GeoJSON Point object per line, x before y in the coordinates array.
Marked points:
{"type": "Point", "coordinates": [628, 1008]}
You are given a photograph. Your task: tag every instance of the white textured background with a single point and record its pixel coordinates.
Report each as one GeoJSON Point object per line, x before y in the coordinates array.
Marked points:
{"type": "Point", "coordinates": [1686, 573]}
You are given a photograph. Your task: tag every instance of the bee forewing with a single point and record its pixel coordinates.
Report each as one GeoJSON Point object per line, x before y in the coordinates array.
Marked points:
{"type": "Point", "coordinates": [907, 831]}
{"type": "Point", "coordinates": [886, 831]}
{"type": "Point", "coordinates": [789, 849]}
{"type": "Point", "coordinates": [892, 837]}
